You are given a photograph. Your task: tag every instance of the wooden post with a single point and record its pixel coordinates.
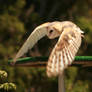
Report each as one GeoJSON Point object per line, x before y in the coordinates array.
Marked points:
{"type": "Point", "coordinates": [61, 84]}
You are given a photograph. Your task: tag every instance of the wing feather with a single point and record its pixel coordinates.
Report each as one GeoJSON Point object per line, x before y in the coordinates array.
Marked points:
{"type": "Point", "coordinates": [66, 58]}
{"type": "Point", "coordinates": [65, 50]}
{"type": "Point", "coordinates": [36, 35]}
{"type": "Point", "coordinates": [69, 59]}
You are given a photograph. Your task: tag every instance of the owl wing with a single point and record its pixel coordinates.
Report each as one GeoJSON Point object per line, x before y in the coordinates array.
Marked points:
{"type": "Point", "coordinates": [36, 35]}
{"type": "Point", "coordinates": [64, 51]}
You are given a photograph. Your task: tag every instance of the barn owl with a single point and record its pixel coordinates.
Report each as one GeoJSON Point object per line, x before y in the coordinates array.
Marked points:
{"type": "Point", "coordinates": [62, 55]}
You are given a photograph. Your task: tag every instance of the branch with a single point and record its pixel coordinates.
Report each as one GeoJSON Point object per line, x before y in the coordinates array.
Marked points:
{"type": "Point", "coordinates": [42, 61]}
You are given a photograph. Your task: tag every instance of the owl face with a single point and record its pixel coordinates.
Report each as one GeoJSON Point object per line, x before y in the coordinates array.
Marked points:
{"type": "Point", "coordinates": [54, 30]}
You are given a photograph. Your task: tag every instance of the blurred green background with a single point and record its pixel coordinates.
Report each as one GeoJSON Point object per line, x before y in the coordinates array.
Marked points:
{"type": "Point", "coordinates": [18, 18]}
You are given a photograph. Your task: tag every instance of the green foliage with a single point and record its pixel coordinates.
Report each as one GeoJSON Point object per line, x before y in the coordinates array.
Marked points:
{"type": "Point", "coordinates": [74, 83]}
{"type": "Point", "coordinates": [3, 76]}
{"type": "Point", "coordinates": [5, 87]}
{"type": "Point", "coordinates": [18, 18]}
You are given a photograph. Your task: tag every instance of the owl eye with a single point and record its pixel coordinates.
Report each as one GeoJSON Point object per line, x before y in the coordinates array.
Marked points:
{"type": "Point", "coordinates": [50, 31]}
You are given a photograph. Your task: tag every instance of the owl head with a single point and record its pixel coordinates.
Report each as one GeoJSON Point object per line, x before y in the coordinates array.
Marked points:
{"type": "Point", "coordinates": [54, 30]}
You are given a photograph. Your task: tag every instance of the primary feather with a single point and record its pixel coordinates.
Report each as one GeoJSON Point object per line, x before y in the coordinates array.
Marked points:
{"type": "Point", "coordinates": [36, 35]}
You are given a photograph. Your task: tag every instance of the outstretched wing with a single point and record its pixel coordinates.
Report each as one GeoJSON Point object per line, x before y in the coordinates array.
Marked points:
{"type": "Point", "coordinates": [36, 35]}
{"type": "Point", "coordinates": [64, 51]}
